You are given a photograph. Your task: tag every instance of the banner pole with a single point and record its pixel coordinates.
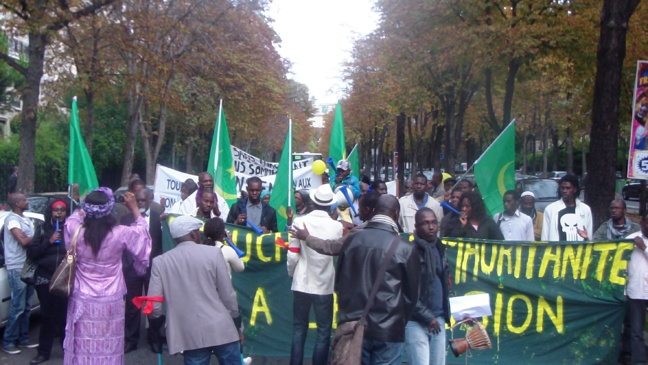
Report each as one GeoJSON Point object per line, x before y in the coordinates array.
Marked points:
{"type": "Point", "coordinates": [290, 159]}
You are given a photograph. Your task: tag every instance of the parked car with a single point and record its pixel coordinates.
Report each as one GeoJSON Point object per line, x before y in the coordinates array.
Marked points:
{"type": "Point", "coordinates": [5, 292]}
{"type": "Point", "coordinates": [631, 190]}
{"type": "Point", "coordinates": [545, 190]}
{"type": "Point", "coordinates": [38, 203]}
{"type": "Point", "coordinates": [556, 175]}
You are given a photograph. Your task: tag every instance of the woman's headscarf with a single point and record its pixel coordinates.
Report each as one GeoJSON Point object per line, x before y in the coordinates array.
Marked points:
{"type": "Point", "coordinates": [100, 211]}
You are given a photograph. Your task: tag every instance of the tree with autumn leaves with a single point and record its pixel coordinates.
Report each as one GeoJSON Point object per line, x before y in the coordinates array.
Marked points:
{"type": "Point", "coordinates": [168, 63]}
{"type": "Point", "coordinates": [461, 71]}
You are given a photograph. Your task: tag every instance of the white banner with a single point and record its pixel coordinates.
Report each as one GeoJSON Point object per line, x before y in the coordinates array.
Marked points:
{"type": "Point", "coordinates": [169, 181]}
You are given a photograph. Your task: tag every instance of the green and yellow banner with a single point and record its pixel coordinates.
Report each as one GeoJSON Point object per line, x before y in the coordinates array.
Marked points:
{"type": "Point", "coordinates": [552, 303]}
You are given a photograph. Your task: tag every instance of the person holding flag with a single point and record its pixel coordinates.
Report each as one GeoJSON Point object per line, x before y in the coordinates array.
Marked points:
{"type": "Point", "coordinates": [344, 177]}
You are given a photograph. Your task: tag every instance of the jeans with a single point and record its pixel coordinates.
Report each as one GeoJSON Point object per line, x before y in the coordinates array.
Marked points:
{"type": "Point", "coordinates": [423, 346]}
{"type": "Point", "coordinates": [637, 314]}
{"type": "Point", "coordinates": [227, 354]}
{"type": "Point", "coordinates": [17, 329]}
{"type": "Point", "coordinates": [381, 353]}
{"type": "Point", "coordinates": [323, 307]}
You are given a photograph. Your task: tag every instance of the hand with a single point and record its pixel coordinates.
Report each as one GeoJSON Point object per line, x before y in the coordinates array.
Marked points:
{"type": "Point", "coordinates": [241, 219]}
{"type": "Point", "coordinates": [299, 233]}
{"type": "Point", "coordinates": [582, 233]}
{"type": "Point", "coordinates": [639, 242]}
{"type": "Point", "coordinates": [129, 199]}
{"type": "Point", "coordinates": [463, 219]}
{"type": "Point", "coordinates": [216, 211]}
{"type": "Point", "coordinates": [447, 195]}
{"type": "Point", "coordinates": [289, 213]}
{"type": "Point", "coordinates": [56, 236]}
{"type": "Point", "coordinates": [241, 337]}
{"type": "Point", "coordinates": [163, 201]}
{"type": "Point", "coordinates": [164, 216]}
{"type": "Point", "coordinates": [435, 326]}
{"type": "Point", "coordinates": [264, 229]}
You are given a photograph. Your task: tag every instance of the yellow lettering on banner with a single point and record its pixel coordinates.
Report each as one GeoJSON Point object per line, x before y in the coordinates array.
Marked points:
{"type": "Point", "coordinates": [604, 249]}
{"type": "Point", "coordinates": [586, 261]}
{"type": "Point", "coordinates": [497, 322]}
{"type": "Point", "coordinates": [530, 262]}
{"type": "Point", "coordinates": [509, 314]}
{"type": "Point", "coordinates": [620, 264]}
{"type": "Point", "coordinates": [459, 263]}
{"type": "Point", "coordinates": [487, 268]}
{"type": "Point", "coordinates": [550, 256]}
{"type": "Point", "coordinates": [518, 262]}
{"type": "Point", "coordinates": [259, 250]}
{"type": "Point", "coordinates": [504, 252]}
{"type": "Point", "coordinates": [471, 250]}
{"type": "Point", "coordinates": [555, 317]}
{"type": "Point", "coordinates": [260, 305]}
{"type": "Point", "coordinates": [278, 248]}
{"type": "Point", "coordinates": [247, 249]}
{"type": "Point", "coordinates": [573, 259]}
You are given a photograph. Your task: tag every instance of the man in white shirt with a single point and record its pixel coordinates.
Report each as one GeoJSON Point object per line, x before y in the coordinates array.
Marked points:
{"type": "Point", "coordinates": [313, 278]}
{"type": "Point", "coordinates": [410, 204]}
{"type": "Point", "coordinates": [514, 225]}
{"type": "Point", "coordinates": [567, 219]}
{"type": "Point", "coordinates": [205, 183]}
{"type": "Point", "coordinates": [637, 291]}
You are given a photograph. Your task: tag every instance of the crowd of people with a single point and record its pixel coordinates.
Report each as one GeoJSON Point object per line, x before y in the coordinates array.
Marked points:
{"type": "Point", "coordinates": [120, 258]}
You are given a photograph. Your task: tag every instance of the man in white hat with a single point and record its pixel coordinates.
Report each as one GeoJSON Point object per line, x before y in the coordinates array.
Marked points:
{"type": "Point", "coordinates": [527, 206]}
{"type": "Point", "coordinates": [313, 278]}
{"type": "Point", "coordinates": [202, 314]}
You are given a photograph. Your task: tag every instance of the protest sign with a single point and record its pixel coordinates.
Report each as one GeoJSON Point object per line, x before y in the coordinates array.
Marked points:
{"type": "Point", "coordinates": [558, 302]}
{"type": "Point", "coordinates": [169, 181]}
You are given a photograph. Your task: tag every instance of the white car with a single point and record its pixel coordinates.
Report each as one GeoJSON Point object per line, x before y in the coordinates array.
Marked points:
{"type": "Point", "coordinates": [5, 292]}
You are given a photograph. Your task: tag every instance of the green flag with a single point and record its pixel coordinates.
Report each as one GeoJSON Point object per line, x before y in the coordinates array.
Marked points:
{"type": "Point", "coordinates": [354, 160]}
{"type": "Point", "coordinates": [80, 168]}
{"type": "Point", "coordinates": [495, 170]}
{"type": "Point", "coordinates": [283, 195]}
{"type": "Point", "coordinates": [337, 146]}
{"type": "Point", "coordinates": [221, 163]}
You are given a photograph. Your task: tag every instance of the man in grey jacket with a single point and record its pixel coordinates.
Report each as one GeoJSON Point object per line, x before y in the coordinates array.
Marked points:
{"type": "Point", "coordinates": [202, 314]}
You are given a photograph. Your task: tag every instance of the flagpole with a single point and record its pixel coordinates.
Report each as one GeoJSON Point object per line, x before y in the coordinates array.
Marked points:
{"type": "Point", "coordinates": [290, 165]}
{"type": "Point", "coordinates": [483, 153]}
{"type": "Point", "coordinates": [218, 130]}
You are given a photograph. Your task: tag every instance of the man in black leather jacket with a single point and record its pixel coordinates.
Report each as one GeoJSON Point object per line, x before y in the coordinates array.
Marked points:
{"type": "Point", "coordinates": [358, 265]}
{"type": "Point", "coordinates": [425, 334]}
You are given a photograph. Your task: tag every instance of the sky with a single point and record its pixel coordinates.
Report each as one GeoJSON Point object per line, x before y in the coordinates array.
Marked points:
{"type": "Point", "coordinates": [317, 37]}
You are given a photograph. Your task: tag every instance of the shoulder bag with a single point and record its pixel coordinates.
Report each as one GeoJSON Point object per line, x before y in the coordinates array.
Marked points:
{"type": "Point", "coordinates": [346, 348]}
{"type": "Point", "coordinates": [62, 282]}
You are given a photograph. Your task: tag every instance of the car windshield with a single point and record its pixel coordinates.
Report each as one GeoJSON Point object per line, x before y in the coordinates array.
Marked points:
{"type": "Point", "coordinates": [543, 189]}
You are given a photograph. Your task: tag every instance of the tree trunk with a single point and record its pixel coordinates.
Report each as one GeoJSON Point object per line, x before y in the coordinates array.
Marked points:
{"type": "Point", "coordinates": [569, 142]}
{"type": "Point", "coordinates": [189, 159]}
{"type": "Point", "coordinates": [400, 149]}
{"type": "Point", "coordinates": [89, 120]}
{"type": "Point", "coordinates": [545, 141]}
{"type": "Point", "coordinates": [615, 16]}
{"type": "Point", "coordinates": [554, 142]}
{"type": "Point", "coordinates": [31, 91]}
{"type": "Point", "coordinates": [584, 156]}
{"type": "Point", "coordinates": [134, 116]}
{"type": "Point", "coordinates": [524, 151]}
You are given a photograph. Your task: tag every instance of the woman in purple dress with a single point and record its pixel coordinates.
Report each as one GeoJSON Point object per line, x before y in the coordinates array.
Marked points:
{"type": "Point", "coordinates": [94, 332]}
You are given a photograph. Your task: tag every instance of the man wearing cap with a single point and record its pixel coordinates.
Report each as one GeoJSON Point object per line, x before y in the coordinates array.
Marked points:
{"type": "Point", "coordinates": [527, 206]}
{"type": "Point", "coordinates": [199, 321]}
{"type": "Point", "coordinates": [344, 177]}
{"type": "Point", "coordinates": [313, 277]}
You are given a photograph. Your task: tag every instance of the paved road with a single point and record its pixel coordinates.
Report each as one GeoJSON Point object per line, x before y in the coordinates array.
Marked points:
{"type": "Point", "coordinates": [142, 355]}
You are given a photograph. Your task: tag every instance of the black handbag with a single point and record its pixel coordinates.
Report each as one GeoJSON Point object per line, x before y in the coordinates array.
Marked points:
{"type": "Point", "coordinates": [28, 273]}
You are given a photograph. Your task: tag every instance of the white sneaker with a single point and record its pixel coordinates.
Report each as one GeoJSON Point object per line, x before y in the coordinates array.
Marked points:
{"type": "Point", "coordinates": [247, 361]}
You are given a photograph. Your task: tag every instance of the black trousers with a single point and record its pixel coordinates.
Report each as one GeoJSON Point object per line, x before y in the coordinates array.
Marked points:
{"type": "Point", "coordinates": [53, 316]}
{"type": "Point", "coordinates": [134, 288]}
{"type": "Point", "coordinates": [637, 316]}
